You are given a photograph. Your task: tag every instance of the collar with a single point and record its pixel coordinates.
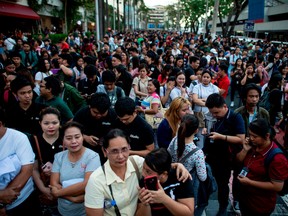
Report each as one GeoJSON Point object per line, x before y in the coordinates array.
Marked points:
{"type": "Point", "coordinates": [110, 175]}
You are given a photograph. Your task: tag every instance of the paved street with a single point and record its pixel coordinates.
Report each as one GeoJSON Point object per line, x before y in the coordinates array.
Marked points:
{"type": "Point", "coordinates": [211, 210]}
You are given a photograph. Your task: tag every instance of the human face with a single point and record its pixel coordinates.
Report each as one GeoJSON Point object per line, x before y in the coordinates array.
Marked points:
{"type": "Point", "coordinates": [73, 139]}
{"type": "Point", "coordinates": [147, 171]}
{"type": "Point", "coordinates": [252, 98]}
{"type": "Point", "coordinates": [16, 60]}
{"type": "Point", "coordinates": [151, 87]}
{"type": "Point", "coordinates": [115, 62]}
{"type": "Point", "coordinates": [255, 139]}
{"type": "Point", "coordinates": [47, 64]}
{"type": "Point", "coordinates": [109, 86]}
{"type": "Point", "coordinates": [80, 62]}
{"type": "Point", "coordinates": [43, 90]}
{"type": "Point", "coordinates": [25, 95]}
{"type": "Point", "coordinates": [50, 124]}
{"type": "Point", "coordinates": [96, 114]}
{"type": "Point", "coordinates": [206, 78]}
{"type": "Point", "coordinates": [195, 64]}
{"type": "Point", "coordinates": [10, 68]}
{"type": "Point", "coordinates": [249, 69]}
{"type": "Point", "coordinates": [26, 47]}
{"type": "Point", "coordinates": [239, 62]}
{"type": "Point", "coordinates": [127, 119]}
{"type": "Point", "coordinates": [185, 109]}
{"type": "Point", "coordinates": [179, 63]}
{"type": "Point", "coordinates": [180, 80]}
{"type": "Point", "coordinates": [143, 73]}
{"type": "Point", "coordinates": [219, 112]}
{"type": "Point", "coordinates": [117, 153]}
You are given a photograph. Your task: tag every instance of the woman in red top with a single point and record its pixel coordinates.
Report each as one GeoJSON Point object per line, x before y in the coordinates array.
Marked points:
{"type": "Point", "coordinates": [260, 184]}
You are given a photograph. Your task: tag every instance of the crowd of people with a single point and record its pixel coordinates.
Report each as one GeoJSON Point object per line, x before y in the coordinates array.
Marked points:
{"type": "Point", "coordinates": [75, 137]}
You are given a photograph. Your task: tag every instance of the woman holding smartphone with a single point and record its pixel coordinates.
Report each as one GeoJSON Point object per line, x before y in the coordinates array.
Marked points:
{"type": "Point", "coordinates": [260, 184]}
{"type": "Point", "coordinates": [171, 196]}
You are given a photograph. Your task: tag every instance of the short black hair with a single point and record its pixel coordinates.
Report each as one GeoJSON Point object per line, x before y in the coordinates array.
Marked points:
{"type": "Point", "coordinates": [72, 124]}
{"type": "Point", "coordinates": [54, 84]}
{"type": "Point", "coordinates": [90, 60]}
{"type": "Point", "coordinates": [108, 76]}
{"type": "Point", "coordinates": [50, 110]}
{"type": "Point", "coordinates": [19, 82]}
{"type": "Point", "coordinates": [159, 160]}
{"type": "Point", "coordinates": [224, 67]}
{"type": "Point", "coordinates": [124, 106]}
{"type": "Point", "coordinates": [114, 133]}
{"type": "Point", "coordinates": [247, 88]}
{"type": "Point", "coordinates": [117, 56]}
{"type": "Point", "coordinates": [215, 100]}
{"type": "Point", "coordinates": [90, 70]}
{"type": "Point", "coordinates": [193, 59]}
{"type": "Point", "coordinates": [100, 101]}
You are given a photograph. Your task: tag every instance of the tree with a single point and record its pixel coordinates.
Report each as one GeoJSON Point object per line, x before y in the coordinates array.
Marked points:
{"type": "Point", "coordinates": [230, 9]}
{"type": "Point", "coordinates": [144, 13]}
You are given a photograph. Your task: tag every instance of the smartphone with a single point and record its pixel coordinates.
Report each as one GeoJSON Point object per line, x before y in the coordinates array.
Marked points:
{"type": "Point", "coordinates": [151, 182]}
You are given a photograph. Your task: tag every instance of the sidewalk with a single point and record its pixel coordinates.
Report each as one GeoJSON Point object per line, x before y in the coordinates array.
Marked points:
{"type": "Point", "coordinates": [281, 208]}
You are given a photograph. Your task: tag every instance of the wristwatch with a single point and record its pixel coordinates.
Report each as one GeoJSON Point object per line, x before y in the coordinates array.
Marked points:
{"type": "Point", "coordinates": [2, 205]}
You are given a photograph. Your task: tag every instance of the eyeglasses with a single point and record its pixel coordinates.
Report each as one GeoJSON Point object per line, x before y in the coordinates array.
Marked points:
{"type": "Point", "coordinates": [115, 152]}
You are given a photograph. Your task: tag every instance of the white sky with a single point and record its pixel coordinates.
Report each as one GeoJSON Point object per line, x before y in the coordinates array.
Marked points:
{"type": "Point", "coordinates": [150, 3]}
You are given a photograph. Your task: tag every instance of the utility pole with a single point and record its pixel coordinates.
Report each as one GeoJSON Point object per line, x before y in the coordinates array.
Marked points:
{"type": "Point", "coordinates": [97, 20]}
{"type": "Point", "coordinates": [214, 21]}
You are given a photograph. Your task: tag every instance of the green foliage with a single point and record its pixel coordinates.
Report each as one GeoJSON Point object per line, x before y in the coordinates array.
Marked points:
{"type": "Point", "coordinates": [35, 5]}
{"type": "Point", "coordinates": [55, 38]}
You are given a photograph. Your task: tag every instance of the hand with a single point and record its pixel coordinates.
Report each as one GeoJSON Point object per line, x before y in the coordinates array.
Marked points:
{"type": "Point", "coordinates": [144, 195]}
{"type": "Point", "coordinates": [10, 194]}
{"type": "Point", "coordinates": [157, 196]}
{"type": "Point", "coordinates": [244, 180]}
{"type": "Point", "coordinates": [47, 192]}
{"type": "Point", "coordinates": [54, 191]}
{"type": "Point", "coordinates": [182, 173]}
{"type": "Point", "coordinates": [204, 131]}
{"type": "Point", "coordinates": [246, 145]}
{"type": "Point", "coordinates": [215, 135]}
{"type": "Point", "coordinates": [139, 109]}
{"type": "Point", "coordinates": [47, 168]}
{"type": "Point", "coordinates": [91, 140]}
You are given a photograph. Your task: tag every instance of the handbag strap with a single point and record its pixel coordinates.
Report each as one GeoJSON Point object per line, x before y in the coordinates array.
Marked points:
{"type": "Point", "coordinates": [38, 149]}
{"type": "Point", "coordinates": [188, 155]}
{"type": "Point", "coordinates": [135, 167]}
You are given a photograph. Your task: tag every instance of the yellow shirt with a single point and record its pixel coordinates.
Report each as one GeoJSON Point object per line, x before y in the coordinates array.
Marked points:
{"type": "Point", "coordinates": [125, 192]}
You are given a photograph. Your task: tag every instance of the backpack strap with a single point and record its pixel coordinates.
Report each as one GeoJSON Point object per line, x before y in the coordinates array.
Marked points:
{"type": "Point", "coordinates": [271, 155]}
{"type": "Point", "coordinates": [118, 92]}
{"type": "Point", "coordinates": [38, 150]}
{"type": "Point", "coordinates": [188, 155]}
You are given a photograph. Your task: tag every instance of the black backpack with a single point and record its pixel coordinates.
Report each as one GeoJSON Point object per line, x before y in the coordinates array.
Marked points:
{"type": "Point", "coordinates": [267, 161]}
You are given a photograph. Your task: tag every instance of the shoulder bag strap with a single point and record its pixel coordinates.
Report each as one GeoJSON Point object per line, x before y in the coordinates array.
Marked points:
{"type": "Point", "coordinates": [38, 149]}
{"type": "Point", "coordinates": [188, 155]}
{"type": "Point", "coordinates": [110, 188]}
{"type": "Point", "coordinates": [135, 167]}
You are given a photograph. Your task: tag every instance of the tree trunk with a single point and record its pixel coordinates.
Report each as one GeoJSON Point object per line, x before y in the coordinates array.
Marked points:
{"type": "Point", "coordinates": [107, 15]}
{"type": "Point", "coordinates": [118, 16]}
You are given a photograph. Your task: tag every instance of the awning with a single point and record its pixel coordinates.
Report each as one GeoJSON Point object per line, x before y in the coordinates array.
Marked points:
{"type": "Point", "coordinates": [16, 10]}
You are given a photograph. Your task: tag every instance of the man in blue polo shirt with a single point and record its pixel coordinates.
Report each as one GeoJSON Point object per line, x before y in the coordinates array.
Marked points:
{"type": "Point", "coordinates": [224, 142]}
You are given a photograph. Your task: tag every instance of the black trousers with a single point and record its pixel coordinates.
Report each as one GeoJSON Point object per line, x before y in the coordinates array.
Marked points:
{"type": "Point", "coordinates": [222, 173]}
{"type": "Point", "coordinates": [31, 206]}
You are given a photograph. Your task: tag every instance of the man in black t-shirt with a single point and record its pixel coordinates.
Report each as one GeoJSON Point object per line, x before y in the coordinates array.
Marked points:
{"type": "Point", "coordinates": [138, 130]}
{"type": "Point", "coordinates": [97, 119]}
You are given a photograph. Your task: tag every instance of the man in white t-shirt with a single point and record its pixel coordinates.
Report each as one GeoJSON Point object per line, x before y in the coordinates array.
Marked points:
{"type": "Point", "coordinates": [17, 193]}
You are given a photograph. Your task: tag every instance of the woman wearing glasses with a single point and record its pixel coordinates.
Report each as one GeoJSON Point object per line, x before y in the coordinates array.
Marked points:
{"type": "Point", "coordinates": [71, 171]}
{"type": "Point", "coordinates": [112, 189]}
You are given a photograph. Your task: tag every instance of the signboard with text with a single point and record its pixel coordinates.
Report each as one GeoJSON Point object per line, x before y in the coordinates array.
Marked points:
{"type": "Point", "coordinates": [249, 26]}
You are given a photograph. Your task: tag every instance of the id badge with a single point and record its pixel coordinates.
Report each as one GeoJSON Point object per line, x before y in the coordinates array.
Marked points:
{"type": "Point", "coordinates": [244, 172]}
